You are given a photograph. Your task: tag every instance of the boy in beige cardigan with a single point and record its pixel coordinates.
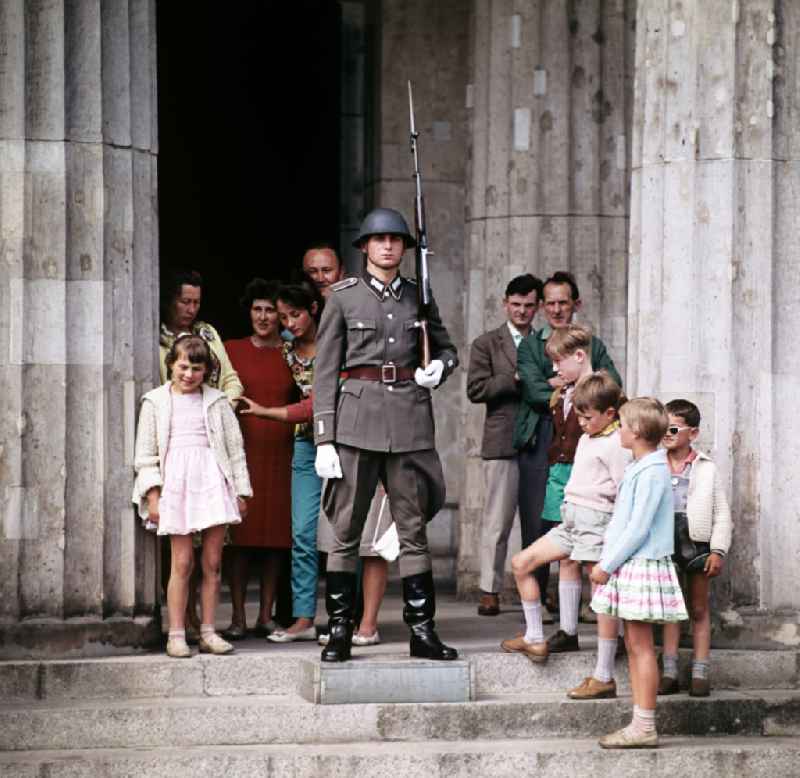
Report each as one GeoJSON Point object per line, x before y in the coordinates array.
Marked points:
{"type": "Point", "coordinates": [700, 502]}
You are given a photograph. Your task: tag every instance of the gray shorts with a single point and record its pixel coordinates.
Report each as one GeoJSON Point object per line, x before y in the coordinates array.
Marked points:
{"type": "Point", "coordinates": [580, 532]}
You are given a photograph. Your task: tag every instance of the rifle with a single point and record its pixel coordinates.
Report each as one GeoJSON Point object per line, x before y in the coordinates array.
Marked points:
{"type": "Point", "coordinates": [421, 252]}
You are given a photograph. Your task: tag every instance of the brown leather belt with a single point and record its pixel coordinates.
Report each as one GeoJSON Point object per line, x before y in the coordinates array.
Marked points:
{"type": "Point", "coordinates": [386, 374]}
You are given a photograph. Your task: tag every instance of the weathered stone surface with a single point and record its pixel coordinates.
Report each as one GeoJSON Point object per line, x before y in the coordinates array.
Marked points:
{"type": "Point", "coordinates": [385, 681]}
{"type": "Point", "coordinates": [68, 329]}
{"type": "Point", "coordinates": [701, 757]}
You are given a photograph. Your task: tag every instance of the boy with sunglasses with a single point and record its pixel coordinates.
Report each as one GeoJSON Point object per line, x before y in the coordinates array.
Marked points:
{"type": "Point", "coordinates": [702, 538]}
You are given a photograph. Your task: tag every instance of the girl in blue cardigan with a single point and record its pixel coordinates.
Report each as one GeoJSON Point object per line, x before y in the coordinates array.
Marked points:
{"type": "Point", "coordinates": [636, 576]}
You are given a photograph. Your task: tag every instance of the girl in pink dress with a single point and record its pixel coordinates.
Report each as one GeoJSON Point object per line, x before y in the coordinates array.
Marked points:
{"type": "Point", "coordinates": [191, 476]}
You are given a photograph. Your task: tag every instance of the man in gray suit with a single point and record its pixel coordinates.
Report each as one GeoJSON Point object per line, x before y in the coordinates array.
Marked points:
{"type": "Point", "coordinates": [373, 421]}
{"type": "Point", "coordinates": [492, 379]}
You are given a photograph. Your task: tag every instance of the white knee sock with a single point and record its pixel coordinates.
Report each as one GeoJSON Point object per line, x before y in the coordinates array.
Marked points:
{"type": "Point", "coordinates": [643, 722]}
{"type": "Point", "coordinates": [569, 603]}
{"type": "Point", "coordinates": [534, 633]}
{"type": "Point", "coordinates": [606, 651]}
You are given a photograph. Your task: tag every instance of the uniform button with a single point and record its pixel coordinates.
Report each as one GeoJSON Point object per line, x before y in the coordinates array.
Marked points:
{"type": "Point", "coordinates": [360, 324]}
{"type": "Point", "coordinates": [390, 316]}
{"type": "Point", "coordinates": [391, 340]}
{"type": "Point", "coordinates": [390, 388]}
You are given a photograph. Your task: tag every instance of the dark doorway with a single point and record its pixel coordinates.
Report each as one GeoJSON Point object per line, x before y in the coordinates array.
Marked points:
{"type": "Point", "coordinates": [248, 141]}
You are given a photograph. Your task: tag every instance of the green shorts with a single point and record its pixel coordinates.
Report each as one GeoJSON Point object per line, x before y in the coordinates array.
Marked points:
{"type": "Point", "coordinates": [557, 477]}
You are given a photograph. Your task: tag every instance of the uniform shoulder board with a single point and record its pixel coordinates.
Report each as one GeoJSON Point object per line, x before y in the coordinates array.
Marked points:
{"type": "Point", "coordinates": [345, 283]}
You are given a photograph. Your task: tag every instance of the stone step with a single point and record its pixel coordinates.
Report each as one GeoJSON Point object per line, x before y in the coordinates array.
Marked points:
{"type": "Point", "coordinates": [261, 719]}
{"type": "Point", "coordinates": [269, 669]}
{"type": "Point", "coordinates": [399, 680]}
{"type": "Point", "coordinates": [699, 757]}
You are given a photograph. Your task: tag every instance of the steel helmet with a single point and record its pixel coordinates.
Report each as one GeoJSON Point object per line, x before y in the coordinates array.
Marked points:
{"type": "Point", "coordinates": [384, 221]}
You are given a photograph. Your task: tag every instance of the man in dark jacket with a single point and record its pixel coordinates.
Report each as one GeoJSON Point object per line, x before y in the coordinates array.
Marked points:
{"type": "Point", "coordinates": [533, 430]}
{"type": "Point", "coordinates": [373, 421]}
{"type": "Point", "coordinates": [492, 379]}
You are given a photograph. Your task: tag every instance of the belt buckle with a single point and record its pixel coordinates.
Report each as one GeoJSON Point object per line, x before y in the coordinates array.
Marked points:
{"type": "Point", "coordinates": [389, 373]}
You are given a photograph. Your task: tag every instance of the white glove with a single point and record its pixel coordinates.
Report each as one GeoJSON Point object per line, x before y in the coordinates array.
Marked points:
{"type": "Point", "coordinates": [327, 463]}
{"type": "Point", "coordinates": [430, 377]}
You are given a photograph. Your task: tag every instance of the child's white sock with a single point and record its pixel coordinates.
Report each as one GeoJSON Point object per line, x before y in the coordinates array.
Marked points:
{"type": "Point", "coordinates": [700, 668]}
{"type": "Point", "coordinates": [177, 634]}
{"type": "Point", "coordinates": [670, 665]}
{"type": "Point", "coordinates": [569, 603]}
{"type": "Point", "coordinates": [643, 722]}
{"type": "Point", "coordinates": [206, 630]}
{"type": "Point", "coordinates": [606, 651]}
{"type": "Point", "coordinates": [534, 633]}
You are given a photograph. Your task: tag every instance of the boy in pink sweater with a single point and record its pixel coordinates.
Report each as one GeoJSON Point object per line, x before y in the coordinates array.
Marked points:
{"type": "Point", "coordinates": [589, 496]}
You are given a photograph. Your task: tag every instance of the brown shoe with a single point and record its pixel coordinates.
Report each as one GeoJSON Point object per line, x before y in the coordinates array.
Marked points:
{"type": "Point", "coordinates": [592, 689]}
{"type": "Point", "coordinates": [667, 685]}
{"type": "Point", "coordinates": [562, 643]}
{"type": "Point", "coordinates": [699, 687]}
{"type": "Point", "coordinates": [536, 652]}
{"type": "Point", "coordinates": [489, 604]}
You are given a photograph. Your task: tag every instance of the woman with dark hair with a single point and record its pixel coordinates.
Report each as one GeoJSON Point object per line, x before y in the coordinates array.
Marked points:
{"type": "Point", "coordinates": [299, 308]}
{"type": "Point", "coordinates": [258, 359]}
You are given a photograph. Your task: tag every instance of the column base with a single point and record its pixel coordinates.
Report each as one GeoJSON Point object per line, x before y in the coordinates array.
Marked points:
{"type": "Point", "coordinates": [79, 637]}
{"type": "Point", "coordinates": [756, 628]}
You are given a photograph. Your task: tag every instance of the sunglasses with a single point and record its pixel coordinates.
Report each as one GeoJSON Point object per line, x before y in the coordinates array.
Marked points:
{"type": "Point", "coordinates": [675, 430]}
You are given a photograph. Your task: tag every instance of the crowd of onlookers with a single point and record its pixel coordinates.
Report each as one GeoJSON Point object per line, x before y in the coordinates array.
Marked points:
{"type": "Point", "coordinates": [602, 485]}
{"type": "Point", "coordinates": [606, 485]}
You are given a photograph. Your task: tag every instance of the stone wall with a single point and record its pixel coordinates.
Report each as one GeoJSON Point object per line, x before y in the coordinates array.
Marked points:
{"type": "Point", "coordinates": [427, 43]}
{"type": "Point", "coordinates": [713, 296]}
{"type": "Point", "coordinates": [78, 320]}
{"type": "Point", "coordinates": [549, 98]}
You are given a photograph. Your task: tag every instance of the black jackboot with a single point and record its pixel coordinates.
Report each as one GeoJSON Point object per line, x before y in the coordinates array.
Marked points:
{"type": "Point", "coordinates": [340, 593]}
{"type": "Point", "coordinates": [420, 599]}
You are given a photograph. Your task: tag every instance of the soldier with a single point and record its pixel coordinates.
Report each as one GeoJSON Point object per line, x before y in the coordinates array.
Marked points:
{"type": "Point", "coordinates": [381, 420]}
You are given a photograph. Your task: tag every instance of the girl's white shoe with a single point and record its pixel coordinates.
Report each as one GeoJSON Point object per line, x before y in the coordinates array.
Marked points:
{"type": "Point", "coordinates": [214, 644]}
{"type": "Point", "coordinates": [177, 648]}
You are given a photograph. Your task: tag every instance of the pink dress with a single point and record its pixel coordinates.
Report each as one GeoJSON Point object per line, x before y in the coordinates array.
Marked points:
{"type": "Point", "coordinates": [195, 494]}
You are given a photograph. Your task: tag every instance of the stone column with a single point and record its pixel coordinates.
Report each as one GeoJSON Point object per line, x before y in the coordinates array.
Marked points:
{"type": "Point", "coordinates": [78, 322]}
{"type": "Point", "coordinates": [428, 44]}
{"type": "Point", "coordinates": [713, 313]}
{"type": "Point", "coordinates": [549, 101]}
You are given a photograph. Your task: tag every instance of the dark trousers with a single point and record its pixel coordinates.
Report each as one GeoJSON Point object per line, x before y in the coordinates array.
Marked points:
{"type": "Point", "coordinates": [533, 469]}
{"type": "Point", "coordinates": [414, 484]}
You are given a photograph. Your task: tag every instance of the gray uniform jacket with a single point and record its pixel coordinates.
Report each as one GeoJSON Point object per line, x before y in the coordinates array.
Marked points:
{"type": "Point", "coordinates": [490, 380]}
{"type": "Point", "coordinates": [365, 324]}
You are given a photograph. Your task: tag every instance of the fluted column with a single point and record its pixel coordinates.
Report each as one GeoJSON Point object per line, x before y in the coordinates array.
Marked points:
{"type": "Point", "coordinates": [713, 307]}
{"type": "Point", "coordinates": [548, 181]}
{"type": "Point", "coordinates": [78, 283]}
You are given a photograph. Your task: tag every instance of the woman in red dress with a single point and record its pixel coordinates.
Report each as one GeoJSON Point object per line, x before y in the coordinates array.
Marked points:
{"type": "Point", "coordinates": [263, 371]}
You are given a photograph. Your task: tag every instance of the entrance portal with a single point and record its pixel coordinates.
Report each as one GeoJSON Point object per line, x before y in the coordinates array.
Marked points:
{"type": "Point", "coordinates": [249, 136]}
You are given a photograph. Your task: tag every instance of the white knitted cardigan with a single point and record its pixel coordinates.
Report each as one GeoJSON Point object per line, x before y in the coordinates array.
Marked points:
{"type": "Point", "coordinates": [152, 440]}
{"type": "Point", "coordinates": [707, 506]}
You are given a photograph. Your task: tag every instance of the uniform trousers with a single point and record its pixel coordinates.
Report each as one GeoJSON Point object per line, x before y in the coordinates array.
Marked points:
{"type": "Point", "coordinates": [533, 469]}
{"type": "Point", "coordinates": [306, 487]}
{"type": "Point", "coordinates": [501, 480]}
{"type": "Point", "coordinates": [414, 484]}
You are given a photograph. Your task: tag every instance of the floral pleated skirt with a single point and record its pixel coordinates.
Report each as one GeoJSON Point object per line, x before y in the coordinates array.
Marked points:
{"type": "Point", "coordinates": [642, 590]}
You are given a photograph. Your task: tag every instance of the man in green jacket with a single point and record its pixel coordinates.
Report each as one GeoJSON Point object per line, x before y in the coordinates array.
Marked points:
{"type": "Point", "coordinates": [533, 431]}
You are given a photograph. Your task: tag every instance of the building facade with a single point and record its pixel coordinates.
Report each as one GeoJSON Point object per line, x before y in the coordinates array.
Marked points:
{"type": "Point", "coordinates": [648, 147]}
